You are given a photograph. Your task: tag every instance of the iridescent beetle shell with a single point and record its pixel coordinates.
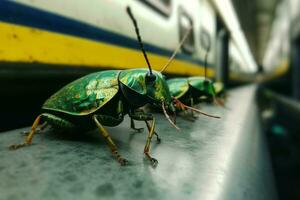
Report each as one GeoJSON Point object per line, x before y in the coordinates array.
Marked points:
{"type": "Point", "coordinates": [178, 86]}
{"type": "Point", "coordinates": [192, 87]}
{"type": "Point", "coordinates": [202, 84]}
{"type": "Point", "coordinates": [88, 94]}
{"type": "Point", "coordinates": [85, 95]}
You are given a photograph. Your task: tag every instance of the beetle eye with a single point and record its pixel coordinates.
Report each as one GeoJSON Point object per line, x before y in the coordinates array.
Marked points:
{"type": "Point", "coordinates": [150, 78]}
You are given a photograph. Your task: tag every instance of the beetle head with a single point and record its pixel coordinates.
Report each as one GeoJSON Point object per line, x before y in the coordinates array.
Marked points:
{"type": "Point", "coordinates": [159, 95]}
{"type": "Point", "coordinates": [157, 89]}
{"type": "Point", "coordinates": [152, 87]}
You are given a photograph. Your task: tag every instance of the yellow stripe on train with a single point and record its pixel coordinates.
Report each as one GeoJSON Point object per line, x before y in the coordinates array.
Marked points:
{"type": "Point", "coordinates": [31, 45]}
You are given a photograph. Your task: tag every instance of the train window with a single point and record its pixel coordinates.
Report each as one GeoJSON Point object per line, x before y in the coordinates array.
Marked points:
{"type": "Point", "coordinates": [185, 22]}
{"type": "Point", "coordinates": [205, 40]}
{"type": "Point", "coordinates": [163, 7]}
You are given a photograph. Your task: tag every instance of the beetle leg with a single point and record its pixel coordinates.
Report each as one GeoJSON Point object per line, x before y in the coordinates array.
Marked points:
{"type": "Point", "coordinates": [187, 114]}
{"type": "Point", "coordinates": [192, 112]}
{"type": "Point", "coordinates": [149, 128]}
{"type": "Point", "coordinates": [148, 142]}
{"type": "Point", "coordinates": [28, 139]}
{"type": "Point", "coordinates": [142, 116]}
{"type": "Point", "coordinates": [111, 144]}
{"type": "Point", "coordinates": [38, 129]}
{"type": "Point", "coordinates": [132, 125]}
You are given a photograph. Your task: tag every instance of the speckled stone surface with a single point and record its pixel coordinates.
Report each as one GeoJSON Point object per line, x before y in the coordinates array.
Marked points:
{"type": "Point", "coordinates": [207, 159]}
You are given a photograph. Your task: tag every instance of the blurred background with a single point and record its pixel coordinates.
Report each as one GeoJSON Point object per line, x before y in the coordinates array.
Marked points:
{"type": "Point", "coordinates": [46, 44]}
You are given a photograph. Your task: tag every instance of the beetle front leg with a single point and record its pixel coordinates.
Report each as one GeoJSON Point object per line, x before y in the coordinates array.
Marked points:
{"type": "Point", "coordinates": [148, 143]}
{"type": "Point", "coordinates": [111, 144]}
{"type": "Point", "coordinates": [141, 116]}
{"type": "Point", "coordinates": [149, 128]}
{"type": "Point", "coordinates": [132, 125]}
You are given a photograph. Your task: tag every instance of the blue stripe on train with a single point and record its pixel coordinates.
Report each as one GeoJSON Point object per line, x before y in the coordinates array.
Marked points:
{"type": "Point", "coordinates": [16, 13]}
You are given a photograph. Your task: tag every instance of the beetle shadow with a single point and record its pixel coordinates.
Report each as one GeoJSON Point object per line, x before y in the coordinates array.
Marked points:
{"type": "Point", "coordinates": [75, 135]}
{"type": "Point", "coordinates": [118, 135]}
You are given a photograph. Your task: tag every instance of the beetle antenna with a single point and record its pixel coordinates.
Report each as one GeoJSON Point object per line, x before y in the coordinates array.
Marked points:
{"type": "Point", "coordinates": [139, 37]}
{"type": "Point", "coordinates": [168, 117]}
{"type": "Point", "coordinates": [177, 49]}
{"type": "Point", "coordinates": [183, 106]}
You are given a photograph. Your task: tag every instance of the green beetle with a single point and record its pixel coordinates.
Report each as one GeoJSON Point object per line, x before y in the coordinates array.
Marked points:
{"type": "Point", "coordinates": [191, 90]}
{"type": "Point", "coordinates": [103, 99]}
{"type": "Point", "coordinates": [194, 89]}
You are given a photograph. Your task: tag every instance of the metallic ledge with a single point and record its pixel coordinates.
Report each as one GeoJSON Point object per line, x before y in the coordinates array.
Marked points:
{"type": "Point", "coordinates": [209, 159]}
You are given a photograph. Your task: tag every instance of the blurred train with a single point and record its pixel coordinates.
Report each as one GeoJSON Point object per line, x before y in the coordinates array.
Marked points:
{"type": "Point", "coordinates": [99, 34]}
{"type": "Point", "coordinates": [45, 44]}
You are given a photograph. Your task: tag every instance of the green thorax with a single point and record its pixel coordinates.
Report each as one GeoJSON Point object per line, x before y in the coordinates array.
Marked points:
{"type": "Point", "coordinates": [135, 79]}
{"type": "Point", "coordinates": [85, 95]}
{"type": "Point", "coordinates": [178, 86]}
{"type": "Point", "coordinates": [202, 84]}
